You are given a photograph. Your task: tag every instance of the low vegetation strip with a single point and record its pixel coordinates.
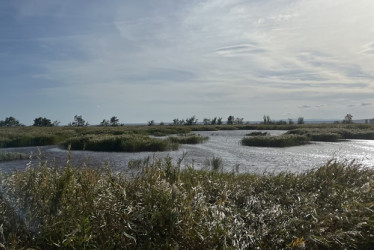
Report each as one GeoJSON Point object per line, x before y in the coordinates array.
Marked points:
{"type": "Point", "coordinates": [11, 156]}
{"type": "Point", "coordinates": [165, 207]}
{"type": "Point", "coordinates": [335, 134]}
{"type": "Point", "coordinates": [275, 141]}
{"type": "Point", "coordinates": [188, 139]}
{"type": "Point", "coordinates": [123, 143]}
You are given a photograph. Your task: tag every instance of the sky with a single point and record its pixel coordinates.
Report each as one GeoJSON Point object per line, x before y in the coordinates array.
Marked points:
{"type": "Point", "coordinates": [142, 60]}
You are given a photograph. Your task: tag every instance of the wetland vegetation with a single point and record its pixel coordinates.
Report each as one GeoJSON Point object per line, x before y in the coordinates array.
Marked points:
{"type": "Point", "coordinates": [165, 206]}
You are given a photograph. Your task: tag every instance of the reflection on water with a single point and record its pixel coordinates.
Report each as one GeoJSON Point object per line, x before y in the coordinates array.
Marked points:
{"type": "Point", "coordinates": [224, 144]}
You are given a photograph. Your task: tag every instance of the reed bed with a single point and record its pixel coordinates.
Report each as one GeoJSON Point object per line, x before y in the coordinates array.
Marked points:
{"type": "Point", "coordinates": [188, 139]}
{"type": "Point", "coordinates": [335, 134]}
{"type": "Point", "coordinates": [257, 133]}
{"type": "Point", "coordinates": [11, 156]}
{"type": "Point", "coordinates": [123, 143]}
{"type": "Point", "coordinates": [275, 141]}
{"type": "Point", "coordinates": [166, 207]}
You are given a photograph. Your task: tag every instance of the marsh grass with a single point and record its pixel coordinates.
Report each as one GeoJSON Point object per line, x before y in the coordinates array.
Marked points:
{"type": "Point", "coordinates": [275, 141]}
{"type": "Point", "coordinates": [215, 164]}
{"type": "Point", "coordinates": [166, 207]}
{"type": "Point", "coordinates": [11, 156]}
{"type": "Point", "coordinates": [257, 133]}
{"type": "Point", "coordinates": [335, 134]}
{"type": "Point", "coordinates": [188, 139]}
{"type": "Point", "coordinates": [123, 143]}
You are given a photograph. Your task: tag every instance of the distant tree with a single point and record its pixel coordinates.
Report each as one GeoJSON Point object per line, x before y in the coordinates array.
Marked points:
{"type": "Point", "coordinates": [78, 121]}
{"type": "Point", "coordinates": [162, 123]}
{"type": "Point", "coordinates": [348, 119]}
{"type": "Point", "coordinates": [176, 121]}
{"type": "Point", "coordinates": [105, 123]}
{"type": "Point", "coordinates": [56, 123]}
{"type": "Point", "coordinates": [42, 122]}
{"type": "Point", "coordinates": [114, 121]}
{"type": "Point", "coordinates": [239, 121]}
{"type": "Point", "coordinates": [267, 119]}
{"type": "Point", "coordinates": [300, 120]}
{"type": "Point", "coordinates": [290, 121]}
{"type": "Point", "coordinates": [10, 122]}
{"type": "Point", "coordinates": [213, 121]}
{"type": "Point", "coordinates": [191, 121]}
{"type": "Point", "coordinates": [230, 120]}
{"type": "Point", "coordinates": [219, 121]}
{"type": "Point", "coordinates": [281, 122]}
{"type": "Point", "coordinates": [151, 123]}
{"type": "Point", "coordinates": [206, 121]}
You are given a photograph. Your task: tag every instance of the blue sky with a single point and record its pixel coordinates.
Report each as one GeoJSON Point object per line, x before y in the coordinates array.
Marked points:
{"type": "Point", "coordinates": [160, 60]}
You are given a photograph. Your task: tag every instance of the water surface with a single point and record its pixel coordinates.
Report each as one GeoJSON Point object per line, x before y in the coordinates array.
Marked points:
{"type": "Point", "coordinates": [224, 144]}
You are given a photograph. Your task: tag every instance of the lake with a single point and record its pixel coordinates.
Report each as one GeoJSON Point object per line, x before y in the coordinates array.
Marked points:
{"type": "Point", "coordinates": [224, 144]}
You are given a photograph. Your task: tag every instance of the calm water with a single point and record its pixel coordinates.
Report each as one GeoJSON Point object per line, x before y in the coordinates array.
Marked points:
{"type": "Point", "coordinates": [224, 144]}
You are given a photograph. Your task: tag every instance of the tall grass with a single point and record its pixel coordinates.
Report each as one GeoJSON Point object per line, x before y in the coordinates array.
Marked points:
{"type": "Point", "coordinates": [275, 141]}
{"type": "Point", "coordinates": [123, 143]}
{"type": "Point", "coordinates": [188, 139]}
{"type": "Point", "coordinates": [165, 207]}
{"type": "Point", "coordinates": [215, 163]}
{"type": "Point", "coordinates": [335, 134]}
{"type": "Point", "coordinates": [10, 156]}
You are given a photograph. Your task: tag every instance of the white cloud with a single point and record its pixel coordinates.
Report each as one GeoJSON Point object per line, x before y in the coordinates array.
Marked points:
{"type": "Point", "coordinates": [229, 56]}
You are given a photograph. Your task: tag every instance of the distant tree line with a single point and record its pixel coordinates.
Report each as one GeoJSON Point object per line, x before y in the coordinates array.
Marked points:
{"type": "Point", "coordinates": [267, 120]}
{"type": "Point", "coordinates": [10, 122]}
{"type": "Point", "coordinates": [78, 121]}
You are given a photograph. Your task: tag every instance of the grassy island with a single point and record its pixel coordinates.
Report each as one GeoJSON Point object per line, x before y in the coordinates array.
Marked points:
{"type": "Point", "coordinates": [275, 141]}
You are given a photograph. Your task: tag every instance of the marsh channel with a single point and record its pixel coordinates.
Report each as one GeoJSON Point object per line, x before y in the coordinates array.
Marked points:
{"type": "Point", "coordinates": [224, 144]}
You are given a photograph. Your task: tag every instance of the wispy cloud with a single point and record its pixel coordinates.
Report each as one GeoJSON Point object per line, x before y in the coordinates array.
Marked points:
{"type": "Point", "coordinates": [177, 56]}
